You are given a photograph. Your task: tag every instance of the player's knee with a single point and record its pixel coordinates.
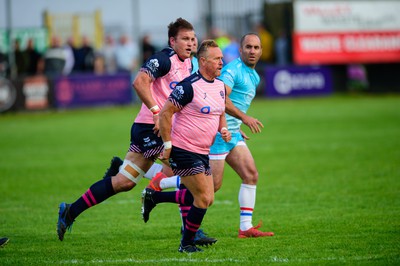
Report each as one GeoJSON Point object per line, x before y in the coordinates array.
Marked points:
{"type": "Point", "coordinates": [217, 182]}
{"type": "Point", "coordinates": [251, 177]}
{"type": "Point", "coordinates": [121, 183]}
{"type": "Point", "coordinates": [209, 199]}
{"type": "Point", "coordinates": [206, 200]}
{"type": "Point", "coordinates": [217, 186]}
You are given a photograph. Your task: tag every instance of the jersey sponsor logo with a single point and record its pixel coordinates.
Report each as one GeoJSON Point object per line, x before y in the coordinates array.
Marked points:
{"type": "Point", "coordinates": [205, 109]}
{"type": "Point", "coordinates": [153, 65]}
{"type": "Point", "coordinates": [222, 94]}
{"type": "Point", "coordinates": [172, 85]}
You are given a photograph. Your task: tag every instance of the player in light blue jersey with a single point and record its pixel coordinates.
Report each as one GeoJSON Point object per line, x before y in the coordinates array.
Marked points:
{"type": "Point", "coordinates": [241, 81]}
{"type": "Point", "coordinates": [193, 56]}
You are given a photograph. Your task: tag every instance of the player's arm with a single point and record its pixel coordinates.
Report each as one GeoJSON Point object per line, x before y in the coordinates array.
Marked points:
{"type": "Point", "coordinates": [165, 123]}
{"type": "Point", "coordinates": [253, 123]}
{"type": "Point", "coordinates": [243, 134]}
{"type": "Point", "coordinates": [141, 84]}
{"type": "Point", "coordinates": [225, 133]}
{"type": "Point", "coordinates": [155, 67]}
{"type": "Point", "coordinates": [179, 97]}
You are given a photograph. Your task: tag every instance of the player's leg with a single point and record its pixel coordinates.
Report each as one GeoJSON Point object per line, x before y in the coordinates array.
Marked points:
{"type": "Point", "coordinates": [3, 241]}
{"type": "Point", "coordinates": [164, 179]}
{"type": "Point", "coordinates": [150, 198]}
{"type": "Point", "coordinates": [218, 152]}
{"type": "Point", "coordinates": [217, 168]}
{"type": "Point", "coordinates": [202, 189]}
{"type": "Point", "coordinates": [138, 160]}
{"type": "Point", "coordinates": [129, 175]}
{"type": "Point", "coordinates": [160, 175]}
{"type": "Point", "coordinates": [242, 162]}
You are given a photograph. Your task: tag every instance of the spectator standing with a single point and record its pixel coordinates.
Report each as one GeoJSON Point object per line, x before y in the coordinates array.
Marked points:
{"type": "Point", "coordinates": [109, 55]}
{"type": "Point", "coordinates": [69, 51]}
{"type": "Point", "coordinates": [148, 48]}
{"type": "Point", "coordinates": [231, 51]}
{"type": "Point", "coordinates": [35, 59]}
{"type": "Point", "coordinates": [3, 64]}
{"type": "Point", "coordinates": [54, 58]}
{"type": "Point", "coordinates": [21, 58]}
{"type": "Point", "coordinates": [84, 57]}
{"type": "Point", "coordinates": [282, 49]}
{"type": "Point", "coordinates": [126, 55]}
{"type": "Point", "coordinates": [267, 43]}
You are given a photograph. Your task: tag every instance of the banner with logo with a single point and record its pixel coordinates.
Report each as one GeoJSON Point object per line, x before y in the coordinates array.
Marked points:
{"type": "Point", "coordinates": [298, 81]}
{"type": "Point", "coordinates": [342, 32]}
{"type": "Point", "coordinates": [93, 90]}
{"type": "Point", "coordinates": [36, 93]}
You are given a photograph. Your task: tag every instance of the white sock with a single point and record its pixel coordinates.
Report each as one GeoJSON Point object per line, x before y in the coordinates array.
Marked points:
{"type": "Point", "coordinates": [154, 169]}
{"type": "Point", "coordinates": [247, 200]}
{"type": "Point", "coordinates": [170, 182]}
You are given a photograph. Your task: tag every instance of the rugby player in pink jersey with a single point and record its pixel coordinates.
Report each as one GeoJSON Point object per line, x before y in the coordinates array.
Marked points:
{"type": "Point", "coordinates": [198, 107]}
{"type": "Point", "coordinates": [153, 84]}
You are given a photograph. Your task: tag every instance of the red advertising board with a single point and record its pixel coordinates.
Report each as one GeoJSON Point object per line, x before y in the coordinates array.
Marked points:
{"type": "Point", "coordinates": [338, 32]}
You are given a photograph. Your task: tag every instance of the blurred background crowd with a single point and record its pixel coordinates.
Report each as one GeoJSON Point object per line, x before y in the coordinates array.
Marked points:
{"type": "Point", "coordinates": [119, 54]}
{"type": "Point", "coordinates": [79, 42]}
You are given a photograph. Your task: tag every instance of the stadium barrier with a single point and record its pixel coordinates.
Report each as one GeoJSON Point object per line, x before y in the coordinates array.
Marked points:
{"type": "Point", "coordinates": [65, 92]}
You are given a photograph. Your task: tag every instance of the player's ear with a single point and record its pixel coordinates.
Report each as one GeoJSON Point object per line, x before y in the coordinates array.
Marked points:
{"type": "Point", "coordinates": [172, 41]}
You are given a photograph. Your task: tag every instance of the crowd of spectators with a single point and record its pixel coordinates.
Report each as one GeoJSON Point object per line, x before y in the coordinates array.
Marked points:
{"type": "Point", "coordinates": [76, 57]}
{"type": "Point", "coordinates": [121, 54]}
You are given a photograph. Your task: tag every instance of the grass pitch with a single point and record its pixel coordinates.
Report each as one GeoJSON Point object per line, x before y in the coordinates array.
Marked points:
{"type": "Point", "coordinates": [329, 188]}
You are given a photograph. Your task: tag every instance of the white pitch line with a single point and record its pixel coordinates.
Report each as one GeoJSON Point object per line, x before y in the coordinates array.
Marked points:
{"type": "Point", "coordinates": [189, 259]}
{"type": "Point", "coordinates": [131, 260]}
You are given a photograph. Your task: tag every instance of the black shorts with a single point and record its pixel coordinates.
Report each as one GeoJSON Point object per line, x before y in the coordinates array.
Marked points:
{"type": "Point", "coordinates": [143, 140]}
{"type": "Point", "coordinates": [186, 163]}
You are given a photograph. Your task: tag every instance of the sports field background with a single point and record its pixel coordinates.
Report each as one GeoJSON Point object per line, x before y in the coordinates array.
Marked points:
{"type": "Point", "coordinates": [329, 188]}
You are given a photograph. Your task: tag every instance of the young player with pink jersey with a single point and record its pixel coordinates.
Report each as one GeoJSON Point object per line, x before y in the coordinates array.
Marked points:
{"type": "Point", "coordinates": [153, 84]}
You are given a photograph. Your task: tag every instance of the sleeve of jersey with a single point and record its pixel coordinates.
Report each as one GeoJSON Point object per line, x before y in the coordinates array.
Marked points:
{"type": "Point", "coordinates": [228, 77]}
{"type": "Point", "coordinates": [157, 65]}
{"type": "Point", "coordinates": [181, 95]}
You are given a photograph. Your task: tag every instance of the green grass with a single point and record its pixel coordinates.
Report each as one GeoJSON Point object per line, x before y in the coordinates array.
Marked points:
{"type": "Point", "coordinates": [329, 188]}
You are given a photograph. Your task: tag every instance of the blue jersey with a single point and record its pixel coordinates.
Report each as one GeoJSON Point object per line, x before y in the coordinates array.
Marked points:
{"type": "Point", "coordinates": [195, 64]}
{"type": "Point", "coordinates": [244, 81]}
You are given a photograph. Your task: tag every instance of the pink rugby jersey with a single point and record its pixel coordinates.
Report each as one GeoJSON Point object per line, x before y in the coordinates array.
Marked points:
{"type": "Point", "coordinates": [202, 102]}
{"type": "Point", "coordinates": [166, 70]}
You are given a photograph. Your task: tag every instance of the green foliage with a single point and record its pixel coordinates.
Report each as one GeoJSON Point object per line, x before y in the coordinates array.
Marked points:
{"type": "Point", "coordinates": [329, 188]}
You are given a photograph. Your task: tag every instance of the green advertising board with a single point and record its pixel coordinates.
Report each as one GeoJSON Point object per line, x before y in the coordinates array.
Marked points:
{"type": "Point", "coordinates": [38, 35]}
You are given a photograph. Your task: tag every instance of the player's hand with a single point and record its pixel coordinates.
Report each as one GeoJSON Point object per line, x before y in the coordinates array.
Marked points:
{"type": "Point", "coordinates": [164, 156]}
{"type": "Point", "coordinates": [162, 160]}
{"type": "Point", "coordinates": [253, 123]}
{"type": "Point", "coordinates": [226, 135]}
{"type": "Point", "coordinates": [156, 128]}
{"type": "Point", "coordinates": [243, 135]}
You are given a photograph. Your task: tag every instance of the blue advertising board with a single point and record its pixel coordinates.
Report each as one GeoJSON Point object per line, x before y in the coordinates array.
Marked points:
{"type": "Point", "coordinates": [298, 81]}
{"type": "Point", "coordinates": [92, 90]}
